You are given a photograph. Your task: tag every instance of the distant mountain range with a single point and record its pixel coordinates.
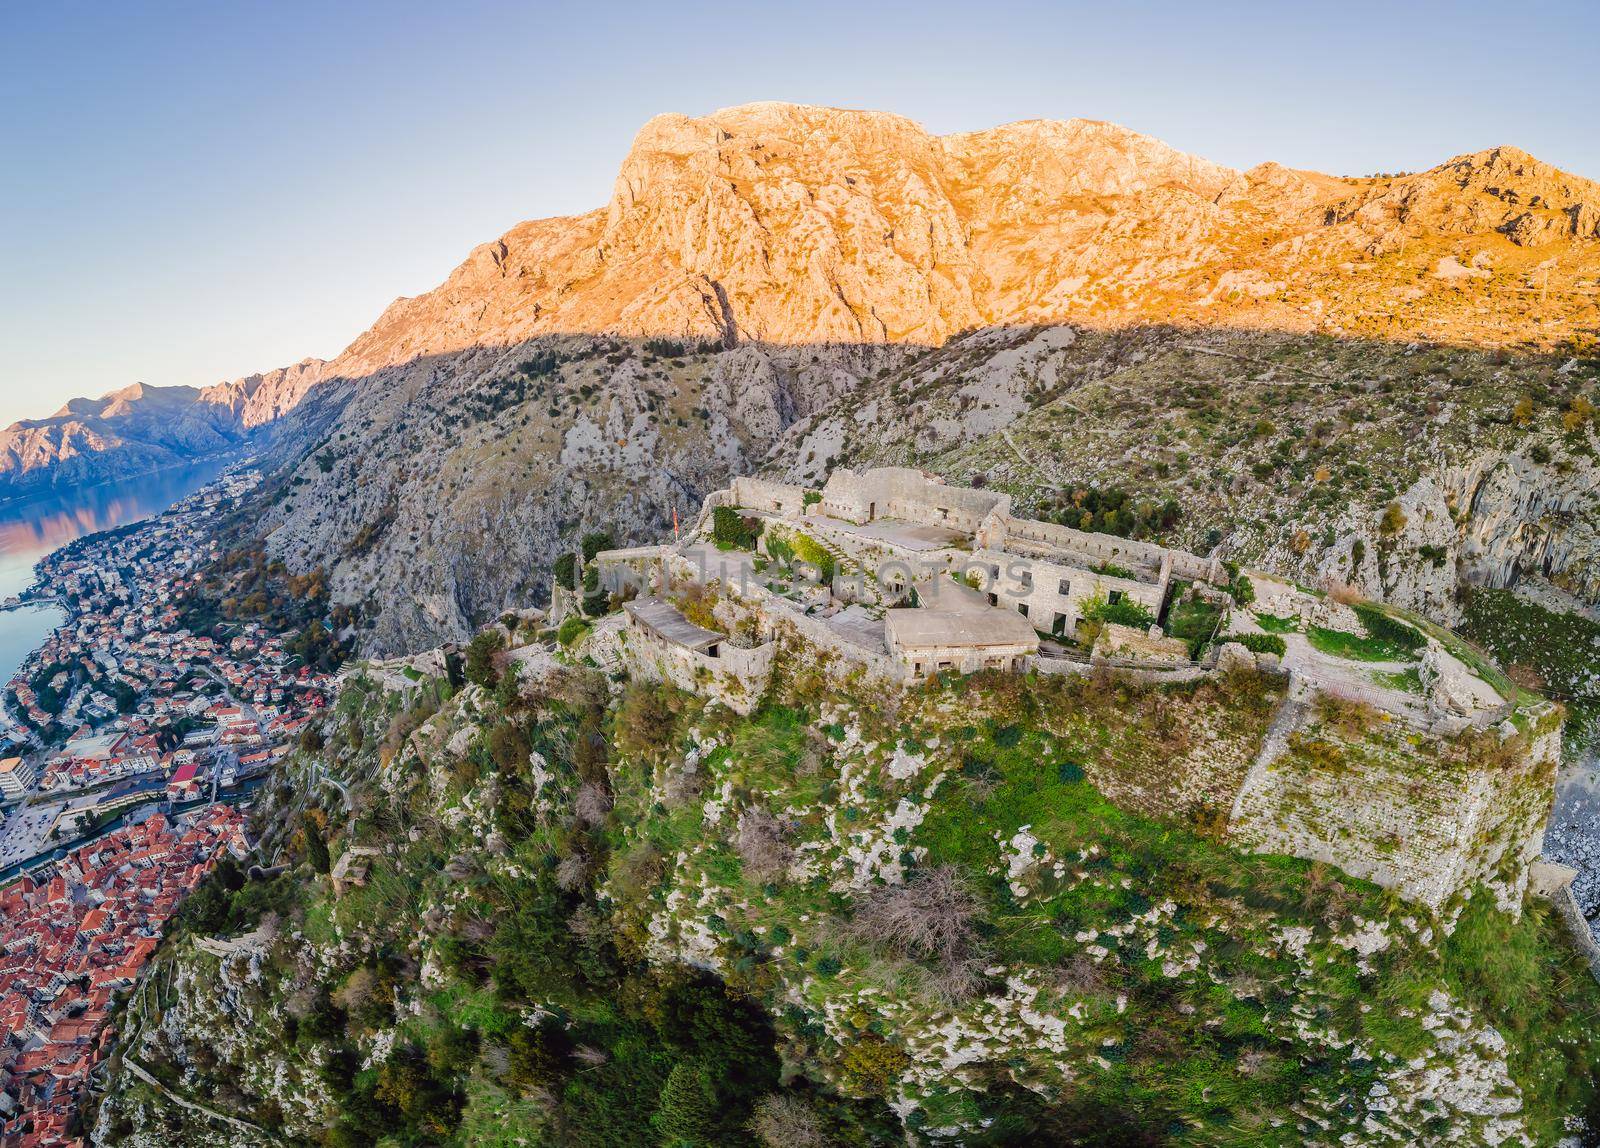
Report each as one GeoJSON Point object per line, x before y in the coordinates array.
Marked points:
{"type": "Point", "coordinates": [142, 428]}
{"type": "Point", "coordinates": [789, 287]}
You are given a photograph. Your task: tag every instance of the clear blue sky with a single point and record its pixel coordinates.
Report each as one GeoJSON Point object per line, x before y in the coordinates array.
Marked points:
{"type": "Point", "coordinates": [195, 191]}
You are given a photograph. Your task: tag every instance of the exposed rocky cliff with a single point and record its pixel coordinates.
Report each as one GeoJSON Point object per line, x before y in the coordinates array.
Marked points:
{"type": "Point", "coordinates": [774, 265]}
{"type": "Point", "coordinates": [804, 225]}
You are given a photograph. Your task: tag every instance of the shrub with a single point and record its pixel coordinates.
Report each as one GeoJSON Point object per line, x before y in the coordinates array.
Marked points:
{"type": "Point", "coordinates": [731, 530]}
{"type": "Point", "coordinates": [646, 721]}
{"type": "Point", "coordinates": [807, 549]}
{"type": "Point", "coordinates": [571, 630]}
{"type": "Point", "coordinates": [1260, 643]}
{"type": "Point", "coordinates": [1393, 520]}
{"type": "Point", "coordinates": [1579, 411]}
{"type": "Point", "coordinates": [873, 1065]}
{"type": "Point", "coordinates": [316, 847]}
{"type": "Point", "coordinates": [543, 363]}
{"type": "Point", "coordinates": [1114, 511]}
{"type": "Point", "coordinates": [1124, 612]}
{"type": "Point", "coordinates": [1389, 629]}
{"type": "Point", "coordinates": [481, 658]}
{"type": "Point", "coordinates": [779, 550]}
{"type": "Point", "coordinates": [565, 570]}
{"type": "Point", "coordinates": [686, 1113]}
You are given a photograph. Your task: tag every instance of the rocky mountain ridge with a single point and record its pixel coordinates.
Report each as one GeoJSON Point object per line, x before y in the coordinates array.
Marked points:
{"type": "Point", "coordinates": [142, 428]}
{"type": "Point", "coordinates": [795, 225]}
{"type": "Point", "coordinates": [760, 275]}
{"type": "Point", "coordinates": [765, 272]}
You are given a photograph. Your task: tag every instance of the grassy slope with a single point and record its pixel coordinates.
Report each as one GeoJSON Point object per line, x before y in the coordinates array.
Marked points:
{"type": "Point", "coordinates": [1556, 652]}
{"type": "Point", "coordinates": [1201, 1017]}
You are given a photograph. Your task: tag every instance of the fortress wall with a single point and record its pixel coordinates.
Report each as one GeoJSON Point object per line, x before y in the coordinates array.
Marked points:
{"type": "Point", "coordinates": [1109, 548]}
{"type": "Point", "coordinates": [769, 497]}
{"type": "Point", "coordinates": [637, 567]}
{"type": "Point", "coordinates": [736, 679]}
{"type": "Point", "coordinates": [1042, 594]}
{"type": "Point", "coordinates": [821, 638]}
{"type": "Point", "coordinates": [1142, 674]}
{"type": "Point", "coordinates": [901, 492]}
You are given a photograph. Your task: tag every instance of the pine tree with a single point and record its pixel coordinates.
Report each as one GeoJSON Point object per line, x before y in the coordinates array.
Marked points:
{"type": "Point", "coordinates": [316, 847]}
{"type": "Point", "coordinates": [686, 1111]}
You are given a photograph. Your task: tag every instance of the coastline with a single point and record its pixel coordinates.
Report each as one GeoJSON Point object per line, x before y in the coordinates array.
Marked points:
{"type": "Point", "coordinates": [39, 596]}
{"type": "Point", "coordinates": [228, 459]}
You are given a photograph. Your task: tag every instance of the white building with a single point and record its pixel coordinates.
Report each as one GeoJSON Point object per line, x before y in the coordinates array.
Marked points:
{"type": "Point", "coordinates": [16, 777]}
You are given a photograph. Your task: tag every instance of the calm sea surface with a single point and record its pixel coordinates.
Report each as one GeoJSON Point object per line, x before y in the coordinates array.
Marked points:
{"type": "Point", "coordinates": [30, 530]}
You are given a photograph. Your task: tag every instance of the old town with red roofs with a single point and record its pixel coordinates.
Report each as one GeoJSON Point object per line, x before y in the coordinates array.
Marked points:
{"type": "Point", "coordinates": [134, 741]}
{"type": "Point", "coordinates": [76, 936]}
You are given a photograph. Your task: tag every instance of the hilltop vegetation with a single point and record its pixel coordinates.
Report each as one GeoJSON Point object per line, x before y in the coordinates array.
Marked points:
{"type": "Point", "coordinates": [1396, 467]}
{"type": "Point", "coordinates": [996, 910]}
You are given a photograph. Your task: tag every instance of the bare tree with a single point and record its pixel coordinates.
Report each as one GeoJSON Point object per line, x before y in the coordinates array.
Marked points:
{"type": "Point", "coordinates": [585, 923]}
{"type": "Point", "coordinates": [929, 916]}
{"type": "Point", "coordinates": [570, 873]}
{"type": "Point", "coordinates": [477, 930]}
{"type": "Point", "coordinates": [761, 846]}
{"type": "Point", "coordinates": [592, 803]}
{"type": "Point", "coordinates": [1079, 974]}
{"type": "Point", "coordinates": [931, 919]}
{"type": "Point", "coordinates": [783, 1120]}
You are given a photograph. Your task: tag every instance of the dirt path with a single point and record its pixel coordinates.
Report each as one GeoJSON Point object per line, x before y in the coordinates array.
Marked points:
{"type": "Point", "coordinates": [140, 1073]}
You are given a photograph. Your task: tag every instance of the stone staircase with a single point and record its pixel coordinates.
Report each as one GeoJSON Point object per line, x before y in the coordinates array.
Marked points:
{"type": "Point", "coordinates": [1291, 713]}
{"type": "Point", "coordinates": [603, 643]}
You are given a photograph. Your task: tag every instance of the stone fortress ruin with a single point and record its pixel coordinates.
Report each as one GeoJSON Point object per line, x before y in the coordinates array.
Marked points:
{"type": "Point", "coordinates": [929, 577]}
{"type": "Point", "coordinates": [893, 576]}
{"type": "Point", "coordinates": [898, 572]}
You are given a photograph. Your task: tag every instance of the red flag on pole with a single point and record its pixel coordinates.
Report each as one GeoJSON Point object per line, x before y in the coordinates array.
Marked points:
{"type": "Point", "coordinates": [674, 523]}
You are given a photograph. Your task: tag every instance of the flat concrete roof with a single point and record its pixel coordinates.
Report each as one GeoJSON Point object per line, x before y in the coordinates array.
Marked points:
{"type": "Point", "coordinates": [894, 532]}
{"type": "Point", "coordinates": [952, 614]}
{"type": "Point", "coordinates": [98, 746]}
{"type": "Point", "coordinates": [666, 620]}
{"type": "Point", "coordinates": [857, 627]}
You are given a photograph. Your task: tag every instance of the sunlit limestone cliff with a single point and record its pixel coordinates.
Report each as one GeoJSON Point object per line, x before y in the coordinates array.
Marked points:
{"type": "Point", "coordinates": [1284, 353]}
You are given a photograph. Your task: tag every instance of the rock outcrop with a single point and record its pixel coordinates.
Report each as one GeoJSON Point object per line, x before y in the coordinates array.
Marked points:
{"type": "Point", "coordinates": [804, 225]}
